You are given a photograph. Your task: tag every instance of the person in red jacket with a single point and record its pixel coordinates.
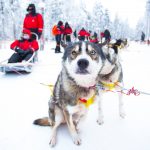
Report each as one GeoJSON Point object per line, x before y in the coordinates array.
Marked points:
{"type": "Point", "coordinates": [101, 36]}
{"type": "Point", "coordinates": [23, 48]}
{"type": "Point", "coordinates": [67, 33]}
{"type": "Point", "coordinates": [33, 21]}
{"type": "Point", "coordinates": [93, 38]}
{"type": "Point", "coordinates": [58, 36]}
{"type": "Point", "coordinates": [82, 34]}
{"type": "Point", "coordinates": [88, 34]}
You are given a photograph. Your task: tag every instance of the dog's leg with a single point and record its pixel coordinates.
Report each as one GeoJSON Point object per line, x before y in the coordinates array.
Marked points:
{"type": "Point", "coordinates": [100, 120]}
{"type": "Point", "coordinates": [78, 122]}
{"type": "Point", "coordinates": [121, 105]}
{"type": "Point", "coordinates": [53, 135]}
{"type": "Point", "coordinates": [72, 128]}
{"type": "Point", "coordinates": [59, 118]}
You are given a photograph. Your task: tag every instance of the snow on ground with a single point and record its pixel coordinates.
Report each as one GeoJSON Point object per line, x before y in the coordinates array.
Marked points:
{"type": "Point", "coordinates": [23, 99]}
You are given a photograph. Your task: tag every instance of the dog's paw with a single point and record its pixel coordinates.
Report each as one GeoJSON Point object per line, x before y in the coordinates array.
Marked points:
{"type": "Point", "coordinates": [52, 142]}
{"type": "Point", "coordinates": [76, 140]}
{"type": "Point", "coordinates": [100, 121]}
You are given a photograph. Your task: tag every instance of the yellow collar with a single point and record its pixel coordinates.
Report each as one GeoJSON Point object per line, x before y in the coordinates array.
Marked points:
{"type": "Point", "coordinates": [110, 86]}
{"type": "Point", "coordinates": [87, 102]}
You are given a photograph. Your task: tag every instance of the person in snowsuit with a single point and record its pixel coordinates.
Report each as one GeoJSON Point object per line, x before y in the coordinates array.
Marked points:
{"type": "Point", "coordinates": [23, 48]}
{"type": "Point", "coordinates": [67, 33]}
{"type": "Point", "coordinates": [143, 37]}
{"type": "Point", "coordinates": [82, 34]}
{"type": "Point", "coordinates": [107, 35]}
{"type": "Point", "coordinates": [101, 36]}
{"type": "Point", "coordinates": [88, 34]}
{"type": "Point", "coordinates": [33, 21]}
{"type": "Point", "coordinates": [94, 38]}
{"type": "Point", "coordinates": [75, 34]}
{"type": "Point", "coordinates": [58, 36]}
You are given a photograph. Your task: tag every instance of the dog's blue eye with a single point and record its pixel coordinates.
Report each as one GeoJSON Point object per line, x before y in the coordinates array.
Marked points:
{"type": "Point", "coordinates": [93, 52]}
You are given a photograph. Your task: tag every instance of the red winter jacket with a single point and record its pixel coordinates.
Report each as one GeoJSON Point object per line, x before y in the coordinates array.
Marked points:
{"type": "Point", "coordinates": [88, 34]}
{"type": "Point", "coordinates": [33, 22]}
{"type": "Point", "coordinates": [82, 33]}
{"type": "Point", "coordinates": [93, 40]}
{"type": "Point", "coordinates": [67, 30]}
{"type": "Point", "coordinates": [61, 29]}
{"type": "Point", "coordinates": [25, 45]}
{"type": "Point", "coordinates": [102, 34]}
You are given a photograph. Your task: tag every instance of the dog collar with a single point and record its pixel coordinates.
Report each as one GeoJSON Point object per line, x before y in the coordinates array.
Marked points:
{"type": "Point", "coordinates": [87, 102]}
{"type": "Point", "coordinates": [110, 86]}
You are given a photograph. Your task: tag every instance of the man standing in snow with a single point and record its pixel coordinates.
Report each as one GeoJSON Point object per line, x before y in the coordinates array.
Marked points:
{"type": "Point", "coordinates": [59, 32]}
{"type": "Point", "coordinates": [107, 35]}
{"type": "Point", "coordinates": [33, 21]}
{"type": "Point", "coordinates": [67, 33]}
{"type": "Point", "coordinates": [82, 34]}
{"type": "Point", "coordinates": [143, 37]}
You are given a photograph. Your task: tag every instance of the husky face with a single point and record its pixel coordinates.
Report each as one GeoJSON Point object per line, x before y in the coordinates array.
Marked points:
{"type": "Point", "coordinates": [83, 61]}
{"type": "Point", "coordinates": [111, 58]}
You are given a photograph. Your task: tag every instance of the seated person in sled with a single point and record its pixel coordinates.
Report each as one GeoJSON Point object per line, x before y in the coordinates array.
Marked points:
{"type": "Point", "coordinates": [24, 48]}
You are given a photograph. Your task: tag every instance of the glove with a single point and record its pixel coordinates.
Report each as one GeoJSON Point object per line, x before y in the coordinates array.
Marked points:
{"type": "Point", "coordinates": [19, 51]}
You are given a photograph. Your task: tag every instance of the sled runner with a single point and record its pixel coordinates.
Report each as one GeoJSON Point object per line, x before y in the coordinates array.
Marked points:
{"type": "Point", "coordinates": [24, 66]}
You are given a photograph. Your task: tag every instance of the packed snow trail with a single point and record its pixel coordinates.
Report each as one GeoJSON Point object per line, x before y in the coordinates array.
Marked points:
{"type": "Point", "coordinates": [23, 99]}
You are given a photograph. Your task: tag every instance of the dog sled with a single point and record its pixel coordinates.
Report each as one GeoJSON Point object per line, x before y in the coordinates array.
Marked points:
{"type": "Point", "coordinates": [24, 66]}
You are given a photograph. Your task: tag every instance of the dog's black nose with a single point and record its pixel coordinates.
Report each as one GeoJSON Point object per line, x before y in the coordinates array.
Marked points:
{"type": "Point", "coordinates": [83, 63]}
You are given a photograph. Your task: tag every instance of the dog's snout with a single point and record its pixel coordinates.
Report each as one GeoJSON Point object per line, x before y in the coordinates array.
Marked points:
{"type": "Point", "coordinates": [83, 63]}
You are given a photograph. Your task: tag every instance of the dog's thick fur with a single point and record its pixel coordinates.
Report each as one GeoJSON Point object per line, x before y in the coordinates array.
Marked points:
{"type": "Point", "coordinates": [82, 62]}
{"type": "Point", "coordinates": [111, 74]}
{"type": "Point", "coordinates": [84, 65]}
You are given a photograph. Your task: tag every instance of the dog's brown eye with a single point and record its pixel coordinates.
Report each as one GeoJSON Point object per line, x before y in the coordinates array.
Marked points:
{"type": "Point", "coordinates": [74, 53]}
{"type": "Point", "coordinates": [93, 52]}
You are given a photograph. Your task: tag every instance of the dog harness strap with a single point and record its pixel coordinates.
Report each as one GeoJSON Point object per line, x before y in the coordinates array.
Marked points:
{"type": "Point", "coordinates": [51, 87]}
{"type": "Point", "coordinates": [107, 86]}
{"type": "Point", "coordinates": [87, 102]}
{"type": "Point", "coordinates": [110, 86]}
{"type": "Point", "coordinates": [83, 100]}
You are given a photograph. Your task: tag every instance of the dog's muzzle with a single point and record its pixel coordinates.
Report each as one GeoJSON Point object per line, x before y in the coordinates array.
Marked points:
{"type": "Point", "coordinates": [82, 66]}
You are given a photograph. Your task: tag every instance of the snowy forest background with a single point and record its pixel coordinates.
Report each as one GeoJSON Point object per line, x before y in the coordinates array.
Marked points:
{"type": "Point", "coordinates": [12, 13]}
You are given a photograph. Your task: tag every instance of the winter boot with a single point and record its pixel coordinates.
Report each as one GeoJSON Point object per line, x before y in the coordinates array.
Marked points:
{"type": "Point", "coordinates": [57, 49]}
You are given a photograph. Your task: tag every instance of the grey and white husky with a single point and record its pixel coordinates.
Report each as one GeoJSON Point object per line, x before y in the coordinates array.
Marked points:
{"type": "Point", "coordinates": [85, 65]}
{"type": "Point", "coordinates": [82, 62]}
{"type": "Point", "coordinates": [110, 77]}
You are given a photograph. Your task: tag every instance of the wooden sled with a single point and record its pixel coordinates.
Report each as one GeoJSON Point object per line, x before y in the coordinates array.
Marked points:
{"type": "Point", "coordinates": [6, 67]}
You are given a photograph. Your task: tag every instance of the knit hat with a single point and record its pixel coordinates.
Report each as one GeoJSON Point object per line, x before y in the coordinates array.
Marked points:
{"type": "Point", "coordinates": [31, 7]}
{"type": "Point", "coordinates": [60, 23]}
{"type": "Point", "coordinates": [26, 31]}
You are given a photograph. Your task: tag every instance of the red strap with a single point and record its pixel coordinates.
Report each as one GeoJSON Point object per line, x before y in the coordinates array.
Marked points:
{"type": "Point", "coordinates": [83, 100]}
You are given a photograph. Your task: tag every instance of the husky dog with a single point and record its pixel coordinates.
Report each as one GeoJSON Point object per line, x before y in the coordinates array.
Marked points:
{"type": "Point", "coordinates": [110, 76]}
{"type": "Point", "coordinates": [75, 85]}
